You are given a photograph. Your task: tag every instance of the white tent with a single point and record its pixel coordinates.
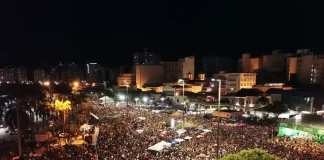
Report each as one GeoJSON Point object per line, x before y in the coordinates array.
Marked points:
{"type": "Point", "coordinates": [187, 138]}
{"type": "Point", "coordinates": [141, 118]}
{"type": "Point", "coordinates": [179, 140]}
{"type": "Point", "coordinates": [107, 99]}
{"type": "Point", "coordinates": [159, 146]}
{"type": "Point", "coordinates": [181, 131]}
{"type": "Point", "coordinates": [140, 131]}
{"type": "Point", "coordinates": [206, 130]}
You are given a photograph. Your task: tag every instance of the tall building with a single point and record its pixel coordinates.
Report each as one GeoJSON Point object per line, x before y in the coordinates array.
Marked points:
{"type": "Point", "coordinates": [9, 74]}
{"type": "Point", "coordinates": [247, 64]}
{"type": "Point", "coordinates": [39, 75]}
{"type": "Point", "coordinates": [22, 74]}
{"type": "Point", "coordinates": [275, 60]}
{"type": "Point", "coordinates": [170, 71]}
{"type": "Point", "coordinates": [213, 65]}
{"type": "Point", "coordinates": [126, 79]}
{"type": "Point", "coordinates": [236, 81]}
{"type": "Point", "coordinates": [291, 67]}
{"type": "Point", "coordinates": [186, 65]}
{"type": "Point", "coordinates": [149, 75]}
{"type": "Point", "coordinates": [310, 68]}
{"type": "Point", "coordinates": [145, 57]}
{"type": "Point", "coordinates": [94, 72]}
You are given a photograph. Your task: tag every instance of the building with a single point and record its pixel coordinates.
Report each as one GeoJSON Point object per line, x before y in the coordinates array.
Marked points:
{"type": "Point", "coordinates": [170, 71]}
{"type": "Point", "coordinates": [247, 64]}
{"type": "Point", "coordinates": [213, 65]}
{"type": "Point", "coordinates": [39, 75]}
{"type": "Point", "coordinates": [267, 86]}
{"type": "Point", "coordinates": [186, 65]}
{"type": "Point", "coordinates": [236, 81]}
{"type": "Point", "coordinates": [95, 73]}
{"type": "Point", "coordinates": [22, 74]}
{"type": "Point", "coordinates": [274, 60]}
{"type": "Point", "coordinates": [145, 57]}
{"type": "Point", "coordinates": [126, 79]}
{"type": "Point", "coordinates": [149, 75]}
{"type": "Point", "coordinates": [8, 74]}
{"type": "Point", "coordinates": [291, 67]}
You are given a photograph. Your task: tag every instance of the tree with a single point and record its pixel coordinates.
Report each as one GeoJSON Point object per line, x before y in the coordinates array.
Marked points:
{"type": "Point", "coordinates": [11, 119]}
{"type": "Point", "coordinates": [276, 108]}
{"type": "Point", "coordinates": [251, 154]}
{"type": "Point", "coordinates": [63, 106]}
{"type": "Point", "coordinates": [263, 100]}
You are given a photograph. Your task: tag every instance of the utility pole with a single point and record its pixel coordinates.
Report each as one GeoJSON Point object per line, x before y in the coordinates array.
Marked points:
{"type": "Point", "coordinates": [36, 116]}
{"type": "Point", "coordinates": [218, 119]}
{"type": "Point", "coordinates": [19, 131]}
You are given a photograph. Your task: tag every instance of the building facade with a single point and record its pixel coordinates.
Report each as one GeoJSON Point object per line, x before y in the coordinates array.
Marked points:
{"type": "Point", "coordinates": [126, 79]}
{"type": "Point", "coordinates": [149, 75]}
{"type": "Point", "coordinates": [145, 57]}
{"type": "Point", "coordinates": [39, 75]}
{"type": "Point", "coordinates": [170, 71]}
{"type": "Point", "coordinates": [186, 65]}
{"type": "Point", "coordinates": [237, 81]}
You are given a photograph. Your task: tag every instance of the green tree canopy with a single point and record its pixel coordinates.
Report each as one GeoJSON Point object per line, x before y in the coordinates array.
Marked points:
{"type": "Point", "coordinates": [251, 154]}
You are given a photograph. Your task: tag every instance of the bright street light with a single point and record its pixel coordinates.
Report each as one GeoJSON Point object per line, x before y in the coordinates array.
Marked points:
{"type": "Point", "coordinates": [183, 84]}
{"type": "Point", "coordinates": [145, 99]}
{"type": "Point", "coordinates": [136, 99]}
{"type": "Point", "coordinates": [76, 84]}
{"type": "Point", "coordinates": [47, 83]}
{"type": "Point", "coordinates": [122, 97]}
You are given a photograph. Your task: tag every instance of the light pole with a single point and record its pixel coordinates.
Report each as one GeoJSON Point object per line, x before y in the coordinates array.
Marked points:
{"type": "Point", "coordinates": [162, 99]}
{"type": "Point", "coordinates": [145, 100]}
{"type": "Point", "coordinates": [126, 92]}
{"type": "Point", "coordinates": [218, 109]}
{"type": "Point", "coordinates": [105, 85]}
{"type": "Point", "coordinates": [122, 97]}
{"type": "Point", "coordinates": [183, 84]}
{"type": "Point", "coordinates": [136, 99]}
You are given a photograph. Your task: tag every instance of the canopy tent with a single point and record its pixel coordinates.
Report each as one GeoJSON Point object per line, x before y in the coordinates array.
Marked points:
{"type": "Point", "coordinates": [187, 138]}
{"type": "Point", "coordinates": [106, 99]}
{"type": "Point", "coordinates": [173, 142]}
{"type": "Point", "coordinates": [160, 146]}
{"type": "Point", "coordinates": [181, 131]}
{"type": "Point", "coordinates": [206, 130]}
{"type": "Point", "coordinates": [140, 131]}
{"type": "Point", "coordinates": [179, 140]}
{"type": "Point", "coordinates": [141, 118]}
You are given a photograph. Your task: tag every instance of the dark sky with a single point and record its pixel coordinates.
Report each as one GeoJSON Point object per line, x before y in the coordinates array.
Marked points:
{"type": "Point", "coordinates": [109, 32]}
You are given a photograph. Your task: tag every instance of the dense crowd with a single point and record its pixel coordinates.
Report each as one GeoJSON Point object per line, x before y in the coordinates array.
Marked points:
{"type": "Point", "coordinates": [118, 139]}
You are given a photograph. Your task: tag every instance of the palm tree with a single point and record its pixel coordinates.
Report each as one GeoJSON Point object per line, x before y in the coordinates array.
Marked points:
{"type": "Point", "coordinates": [63, 106]}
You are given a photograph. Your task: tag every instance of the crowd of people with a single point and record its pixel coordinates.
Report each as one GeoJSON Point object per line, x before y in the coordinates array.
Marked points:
{"type": "Point", "coordinates": [118, 139]}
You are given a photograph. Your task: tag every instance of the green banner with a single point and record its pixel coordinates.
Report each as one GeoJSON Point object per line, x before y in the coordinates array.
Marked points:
{"type": "Point", "coordinates": [308, 129]}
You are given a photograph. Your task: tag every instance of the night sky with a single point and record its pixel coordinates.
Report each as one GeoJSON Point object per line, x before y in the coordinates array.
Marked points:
{"type": "Point", "coordinates": [109, 32]}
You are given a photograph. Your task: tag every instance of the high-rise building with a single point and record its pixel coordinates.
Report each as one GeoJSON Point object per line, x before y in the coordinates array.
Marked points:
{"type": "Point", "coordinates": [126, 79]}
{"type": "Point", "coordinates": [247, 64]}
{"type": "Point", "coordinates": [186, 65]}
{"type": "Point", "coordinates": [22, 74]}
{"type": "Point", "coordinates": [39, 75]}
{"type": "Point", "coordinates": [275, 60]}
{"type": "Point", "coordinates": [213, 65]}
{"type": "Point", "coordinates": [291, 67]}
{"type": "Point", "coordinates": [9, 74]}
{"type": "Point", "coordinates": [170, 71]}
{"type": "Point", "coordinates": [145, 57]}
{"type": "Point", "coordinates": [93, 72]}
{"type": "Point", "coordinates": [149, 75]}
{"type": "Point", "coordinates": [236, 81]}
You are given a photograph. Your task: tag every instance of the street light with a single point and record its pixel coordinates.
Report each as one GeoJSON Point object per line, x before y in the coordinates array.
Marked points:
{"type": "Point", "coordinates": [145, 99]}
{"type": "Point", "coordinates": [47, 83]}
{"type": "Point", "coordinates": [76, 84]}
{"type": "Point", "coordinates": [136, 99]}
{"type": "Point", "coordinates": [122, 97]}
{"type": "Point", "coordinates": [126, 92]}
{"type": "Point", "coordinates": [162, 99]}
{"type": "Point", "coordinates": [183, 84]}
{"type": "Point", "coordinates": [218, 109]}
